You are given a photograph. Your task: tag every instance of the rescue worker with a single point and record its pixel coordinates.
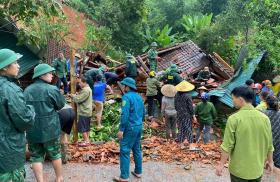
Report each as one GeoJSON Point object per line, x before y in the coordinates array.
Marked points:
{"type": "Point", "coordinates": [204, 75]}
{"type": "Point", "coordinates": [132, 117]}
{"type": "Point", "coordinates": [153, 85]}
{"type": "Point", "coordinates": [172, 76]}
{"type": "Point", "coordinates": [44, 137]}
{"type": "Point", "coordinates": [91, 75]}
{"type": "Point", "coordinates": [60, 66]}
{"type": "Point", "coordinates": [153, 57]}
{"type": "Point", "coordinates": [131, 67]}
{"type": "Point", "coordinates": [15, 118]}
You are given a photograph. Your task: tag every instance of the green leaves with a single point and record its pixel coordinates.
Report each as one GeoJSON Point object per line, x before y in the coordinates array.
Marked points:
{"type": "Point", "coordinates": [163, 37]}
{"type": "Point", "coordinates": [194, 24]}
{"type": "Point", "coordinates": [28, 9]}
{"type": "Point", "coordinates": [110, 121]}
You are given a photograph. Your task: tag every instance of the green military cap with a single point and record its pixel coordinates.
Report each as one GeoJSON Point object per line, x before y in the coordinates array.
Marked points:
{"type": "Point", "coordinates": [42, 69]}
{"type": "Point", "coordinates": [7, 57]}
{"type": "Point", "coordinates": [154, 44]}
{"type": "Point", "coordinates": [130, 82]}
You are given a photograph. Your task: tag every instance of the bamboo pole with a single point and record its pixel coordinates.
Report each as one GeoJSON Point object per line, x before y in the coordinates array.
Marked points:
{"type": "Point", "coordinates": [73, 91]}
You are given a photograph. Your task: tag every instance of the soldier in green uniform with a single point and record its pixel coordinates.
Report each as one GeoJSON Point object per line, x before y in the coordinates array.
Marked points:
{"type": "Point", "coordinates": [131, 67]}
{"type": "Point", "coordinates": [60, 66]}
{"type": "Point", "coordinates": [91, 75]}
{"type": "Point", "coordinates": [15, 118]}
{"type": "Point", "coordinates": [153, 57]}
{"type": "Point", "coordinates": [172, 76]}
{"type": "Point", "coordinates": [44, 137]}
{"type": "Point", "coordinates": [204, 75]}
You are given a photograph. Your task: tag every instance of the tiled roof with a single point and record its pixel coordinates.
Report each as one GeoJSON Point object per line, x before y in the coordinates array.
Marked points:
{"type": "Point", "coordinates": [187, 56]}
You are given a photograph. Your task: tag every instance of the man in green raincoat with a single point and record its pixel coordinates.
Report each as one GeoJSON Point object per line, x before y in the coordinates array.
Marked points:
{"type": "Point", "coordinates": [153, 57]}
{"type": "Point", "coordinates": [44, 137]}
{"type": "Point", "coordinates": [15, 118]}
{"type": "Point", "coordinates": [60, 66]}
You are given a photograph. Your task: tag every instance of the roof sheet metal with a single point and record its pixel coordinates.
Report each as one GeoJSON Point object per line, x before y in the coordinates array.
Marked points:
{"type": "Point", "coordinates": [240, 77]}
{"type": "Point", "coordinates": [28, 60]}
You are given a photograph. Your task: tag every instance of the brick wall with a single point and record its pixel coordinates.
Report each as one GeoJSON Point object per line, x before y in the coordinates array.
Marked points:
{"type": "Point", "coordinates": [54, 48]}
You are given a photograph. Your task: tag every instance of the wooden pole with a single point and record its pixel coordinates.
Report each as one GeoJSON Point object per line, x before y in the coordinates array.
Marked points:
{"type": "Point", "coordinates": [73, 91]}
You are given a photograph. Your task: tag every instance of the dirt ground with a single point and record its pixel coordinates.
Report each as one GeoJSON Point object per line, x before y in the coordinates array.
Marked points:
{"type": "Point", "coordinates": [152, 172]}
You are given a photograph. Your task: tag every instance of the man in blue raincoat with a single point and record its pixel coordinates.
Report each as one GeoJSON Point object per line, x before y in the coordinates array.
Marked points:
{"type": "Point", "coordinates": [132, 117]}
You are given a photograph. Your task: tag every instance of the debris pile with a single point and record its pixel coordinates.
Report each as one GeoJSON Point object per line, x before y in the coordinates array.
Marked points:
{"type": "Point", "coordinates": [154, 148]}
{"type": "Point", "coordinates": [96, 153]}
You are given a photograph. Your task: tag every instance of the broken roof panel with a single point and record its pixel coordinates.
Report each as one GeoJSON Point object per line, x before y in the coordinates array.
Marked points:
{"type": "Point", "coordinates": [240, 77]}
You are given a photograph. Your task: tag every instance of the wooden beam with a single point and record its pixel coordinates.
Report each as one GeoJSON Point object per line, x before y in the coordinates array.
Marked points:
{"type": "Point", "coordinates": [73, 91]}
{"type": "Point", "coordinates": [120, 87]}
{"type": "Point", "coordinates": [141, 62]}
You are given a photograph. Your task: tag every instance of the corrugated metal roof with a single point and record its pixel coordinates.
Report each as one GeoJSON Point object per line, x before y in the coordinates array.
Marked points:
{"type": "Point", "coordinates": [240, 77]}
{"type": "Point", "coordinates": [28, 60]}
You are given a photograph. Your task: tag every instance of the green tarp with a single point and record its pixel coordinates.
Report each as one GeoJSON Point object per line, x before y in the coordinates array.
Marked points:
{"type": "Point", "coordinates": [28, 60]}
{"type": "Point", "coordinates": [239, 78]}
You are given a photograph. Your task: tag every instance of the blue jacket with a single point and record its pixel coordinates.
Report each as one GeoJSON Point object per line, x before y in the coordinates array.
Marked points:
{"type": "Point", "coordinates": [133, 111]}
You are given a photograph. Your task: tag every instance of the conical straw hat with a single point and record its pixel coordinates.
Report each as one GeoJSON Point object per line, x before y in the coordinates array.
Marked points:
{"type": "Point", "coordinates": [184, 86]}
{"type": "Point", "coordinates": [202, 88]}
{"type": "Point", "coordinates": [168, 90]}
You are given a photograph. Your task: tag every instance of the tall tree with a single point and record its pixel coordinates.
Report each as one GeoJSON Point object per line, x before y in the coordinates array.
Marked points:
{"type": "Point", "coordinates": [124, 18]}
{"type": "Point", "coordinates": [212, 6]}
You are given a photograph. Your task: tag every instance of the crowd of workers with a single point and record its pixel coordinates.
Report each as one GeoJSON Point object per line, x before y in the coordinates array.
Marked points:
{"type": "Point", "coordinates": [40, 115]}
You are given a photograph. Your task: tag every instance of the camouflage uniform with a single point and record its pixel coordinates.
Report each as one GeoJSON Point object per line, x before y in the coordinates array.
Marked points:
{"type": "Point", "coordinates": [16, 175]}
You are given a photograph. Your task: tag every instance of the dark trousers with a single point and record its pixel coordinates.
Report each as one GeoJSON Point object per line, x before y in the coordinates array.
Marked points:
{"type": "Point", "coordinates": [65, 84]}
{"type": "Point", "coordinates": [151, 102]}
{"type": "Point", "coordinates": [170, 122]}
{"type": "Point", "coordinates": [112, 80]}
{"type": "Point", "coordinates": [237, 179]}
{"type": "Point", "coordinates": [206, 132]}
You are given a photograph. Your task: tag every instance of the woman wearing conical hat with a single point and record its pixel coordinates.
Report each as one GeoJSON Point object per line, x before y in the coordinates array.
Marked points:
{"type": "Point", "coordinates": [185, 111]}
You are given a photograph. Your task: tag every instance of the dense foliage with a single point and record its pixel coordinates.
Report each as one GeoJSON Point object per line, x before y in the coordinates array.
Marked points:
{"type": "Point", "coordinates": [222, 26]}
{"type": "Point", "coordinates": [39, 20]}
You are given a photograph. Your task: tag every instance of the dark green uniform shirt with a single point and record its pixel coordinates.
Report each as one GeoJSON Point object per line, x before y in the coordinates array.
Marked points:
{"type": "Point", "coordinates": [204, 75]}
{"type": "Point", "coordinates": [60, 67]}
{"type": "Point", "coordinates": [131, 68]}
{"type": "Point", "coordinates": [172, 78]}
{"type": "Point", "coordinates": [47, 100]}
{"type": "Point", "coordinates": [152, 56]}
{"type": "Point", "coordinates": [91, 76]}
{"type": "Point", "coordinates": [15, 118]}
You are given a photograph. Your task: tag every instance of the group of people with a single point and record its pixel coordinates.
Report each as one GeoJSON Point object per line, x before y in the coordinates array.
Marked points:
{"type": "Point", "coordinates": [39, 113]}
{"type": "Point", "coordinates": [174, 96]}
{"type": "Point", "coordinates": [31, 115]}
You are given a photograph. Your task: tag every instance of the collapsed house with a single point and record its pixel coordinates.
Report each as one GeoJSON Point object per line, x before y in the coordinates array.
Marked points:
{"type": "Point", "coordinates": [189, 58]}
